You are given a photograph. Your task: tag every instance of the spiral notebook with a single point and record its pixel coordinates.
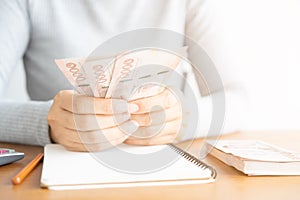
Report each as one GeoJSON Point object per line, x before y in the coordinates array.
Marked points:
{"type": "Point", "coordinates": [163, 164]}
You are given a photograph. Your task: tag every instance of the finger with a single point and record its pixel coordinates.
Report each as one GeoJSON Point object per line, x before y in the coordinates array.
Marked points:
{"type": "Point", "coordinates": [82, 147]}
{"type": "Point", "coordinates": [142, 119]}
{"type": "Point", "coordinates": [99, 136]}
{"type": "Point", "coordinates": [161, 101]}
{"type": "Point", "coordinates": [93, 140]}
{"type": "Point", "coordinates": [167, 139]}
{"type": "Point", "coordinates": [81, 104]}
{"type": "Point", "coordinates": [169, 128]}
{"type": "Point", "coordinates": [107, 135]}
{"type": "Point", "coordinates": [158, 117]}
{"type": "Point", "coordinates": [90, 122]}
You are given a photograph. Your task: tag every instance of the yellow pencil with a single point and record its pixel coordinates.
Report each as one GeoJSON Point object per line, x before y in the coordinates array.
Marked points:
{"type": "Point", "coordinates": [27, 169]}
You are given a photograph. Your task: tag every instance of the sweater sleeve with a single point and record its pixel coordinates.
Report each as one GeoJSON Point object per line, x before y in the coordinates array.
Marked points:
{"type": "Point", "coordinates": [20, 122]}
{"type": "Point", "coordinates": [24, 123]}
{"type": "Point", "coordinates": [204, 26]}
{"type": "Point", "coordinates": [14, 37]}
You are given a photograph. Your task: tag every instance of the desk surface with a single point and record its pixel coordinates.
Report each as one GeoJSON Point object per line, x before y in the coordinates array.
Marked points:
{"type": "Point", "coordinates": [230, 184]}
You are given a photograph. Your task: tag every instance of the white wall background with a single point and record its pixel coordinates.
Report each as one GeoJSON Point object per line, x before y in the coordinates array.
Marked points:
{"type": "Point", "coordinates": [265, 35]}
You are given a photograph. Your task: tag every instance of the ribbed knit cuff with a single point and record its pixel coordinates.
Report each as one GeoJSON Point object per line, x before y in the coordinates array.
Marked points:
{"type": "Point", "coordinates": [25, 122]}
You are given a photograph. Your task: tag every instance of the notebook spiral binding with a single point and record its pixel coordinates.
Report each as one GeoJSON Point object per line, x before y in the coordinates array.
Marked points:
{"type": "Point", "coordinates": [194, 160]}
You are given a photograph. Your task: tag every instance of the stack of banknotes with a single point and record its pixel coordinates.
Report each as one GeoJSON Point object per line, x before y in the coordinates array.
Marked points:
{"type": "Point", "coordinates": [128, 75]}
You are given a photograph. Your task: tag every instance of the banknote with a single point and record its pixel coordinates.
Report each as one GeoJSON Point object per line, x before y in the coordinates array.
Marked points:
{"type": "Point", "coordinates": [128, 75]}
{"type": "Point", "coordinates": [99, 71]}
{"type": "Point", "coordinates": [142, 73]}
{"type": "Point", "coordinates": [73, 71]}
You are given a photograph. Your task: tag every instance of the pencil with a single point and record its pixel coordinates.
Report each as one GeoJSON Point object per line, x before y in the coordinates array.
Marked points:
{"type": "Point", "coordinates": [27, 169]}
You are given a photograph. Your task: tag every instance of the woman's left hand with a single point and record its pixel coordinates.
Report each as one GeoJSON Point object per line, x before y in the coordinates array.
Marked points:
{"type": "Point", "coordinates": [159, 118]}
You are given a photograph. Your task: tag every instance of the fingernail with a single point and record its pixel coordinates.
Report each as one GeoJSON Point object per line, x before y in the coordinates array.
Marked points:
{"type": "Point", "coordinates": [129, 127]}
{"type": "Point", "coordinates": [135, 124]}
{"type": "Point", "coordinates": [132, 108]}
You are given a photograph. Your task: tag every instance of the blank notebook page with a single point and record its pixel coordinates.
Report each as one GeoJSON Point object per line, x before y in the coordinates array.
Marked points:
{"type": "Point", "coordinates": [64, 169]}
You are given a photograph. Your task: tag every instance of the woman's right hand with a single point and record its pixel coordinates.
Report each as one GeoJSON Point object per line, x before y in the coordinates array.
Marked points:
{"type": "Point", "coordinates": [82, 123]}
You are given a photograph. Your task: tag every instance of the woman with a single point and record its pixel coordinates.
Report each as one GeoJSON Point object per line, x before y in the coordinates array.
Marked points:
{"type": "Point", "coordinates": [39, 31]}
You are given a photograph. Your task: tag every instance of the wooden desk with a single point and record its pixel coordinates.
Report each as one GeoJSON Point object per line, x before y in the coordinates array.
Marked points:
{"type": "Point", "coordinates": [230, 184]}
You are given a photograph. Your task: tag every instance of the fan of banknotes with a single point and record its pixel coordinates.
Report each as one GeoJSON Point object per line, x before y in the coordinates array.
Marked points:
{"type": "Point", "coordinates": [128, 75]}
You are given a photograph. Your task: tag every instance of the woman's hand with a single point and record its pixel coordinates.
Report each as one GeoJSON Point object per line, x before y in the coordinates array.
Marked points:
{"type": "Point", "coordinates": [159, 119]}
{"type": "Point", "coordinates": [82, 123]}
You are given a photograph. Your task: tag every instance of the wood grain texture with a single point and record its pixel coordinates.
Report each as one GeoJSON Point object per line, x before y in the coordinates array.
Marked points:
{"type": "Point", "coordinates": [230, 183]}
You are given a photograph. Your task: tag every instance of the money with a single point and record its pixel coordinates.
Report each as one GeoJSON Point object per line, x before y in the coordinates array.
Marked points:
{"type": "Point", "coordinates": [141, 73]}
{"type": "Point", "coordinates": [99, 72]}
{"type": "Point", "coordinates": [128, 75]}
{"type": "Point", "coordinates": [73, 71]}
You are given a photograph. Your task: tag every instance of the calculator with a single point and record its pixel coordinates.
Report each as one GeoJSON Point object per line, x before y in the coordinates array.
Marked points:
{"type": "Point", "coordinates": [9, 155]}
